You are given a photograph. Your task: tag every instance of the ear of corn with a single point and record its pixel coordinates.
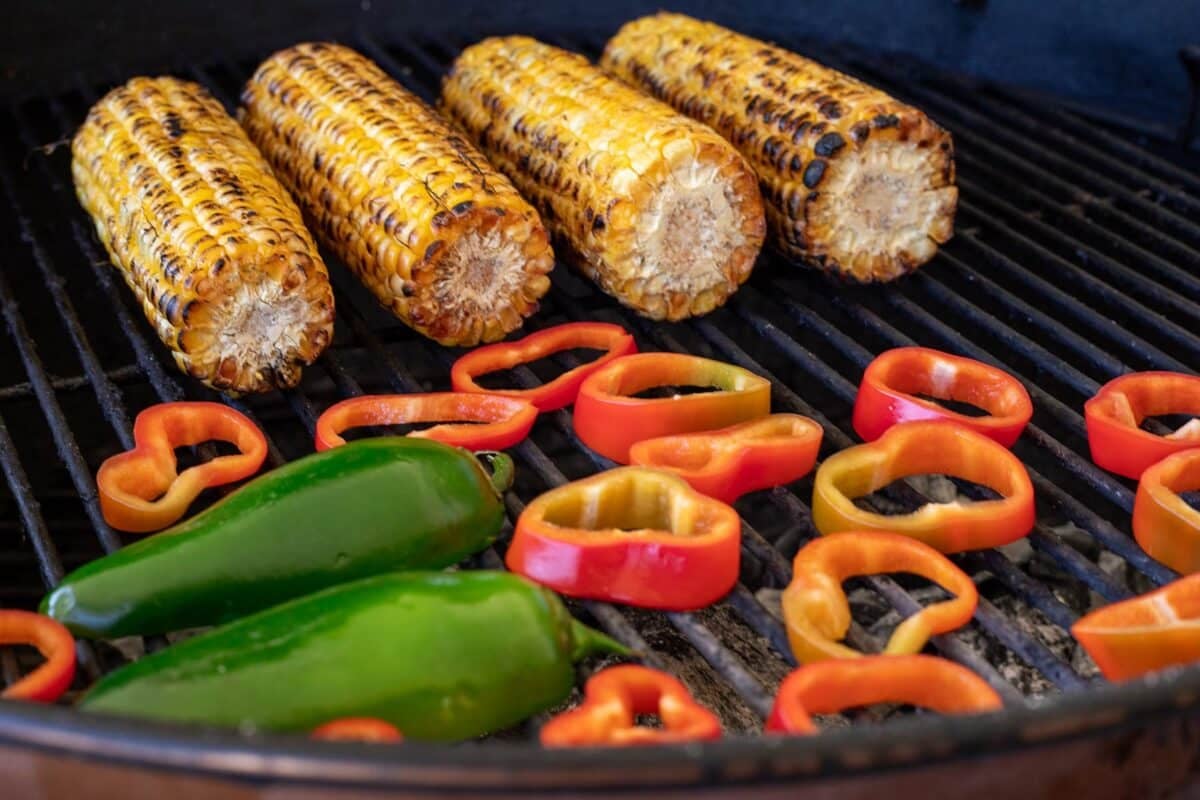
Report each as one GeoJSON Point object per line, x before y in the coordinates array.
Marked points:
{"type": "Point", "coordinates": [438, 235]}
{"type": "Point", "coordinates": [660, 211]}
{"type": "Point", "coordinates": [855, 181]}
{"type": "Point", "coordinates": [205, 236]}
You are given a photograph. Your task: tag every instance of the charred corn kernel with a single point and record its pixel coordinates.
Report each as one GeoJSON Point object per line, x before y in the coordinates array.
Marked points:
{"type": "Point", "coordinates": [855, 181]}
{"type": "Point", "coordinates": [660, 211]}
{"type": "Point", "coordinates": [438, 235]}
{"type": "Point", "coordinates": [203, 233]}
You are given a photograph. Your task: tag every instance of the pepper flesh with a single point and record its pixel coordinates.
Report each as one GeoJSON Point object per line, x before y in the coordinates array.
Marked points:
{"type": "Point", "coordinates": [48, 682]}
{"type": "Point", "coordinates": [828, 687]}
{"type": "Point", "coordinates": [358, 729]}
{"type": "Point", "coordinates": [918, 448]}
{"type": "Point", "coordinates": [129, 482]}
{"type": "Point", "coordinates": [890, 385]}
{"type": "Point", "coordinates": [610, 421]}
{"type": "Point", "coordinates": [727, 463]}
{"type": "Point", "coordinates": [817, 612]}
{"type": "Point", "coordinates": [1114, 416]}
{"type": "Point", "coordinates": [1144, 634]}
{"type": "Point", "coordinates": [492, 422]}
{"type": "Point", "coordinates": [613, 698]}
{"type": "Point", "coordinates": [630, 535]}
{"type": "Point", "coordinates": [1163, 523]}
{"type": "Point", "coordinates": [560, 392]}
{"type": "Point", "coordinates": [443, 656]}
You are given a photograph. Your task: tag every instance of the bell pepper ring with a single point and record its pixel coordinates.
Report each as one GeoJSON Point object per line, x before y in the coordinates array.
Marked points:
{"type": "Point", "coordinates": [888, 394]}
{"type": "Point", "coordinates": [610, 420]}
{"type": "Point", "coordinates": [52, 678]}
{"type": "Point", "coordinates": [727, 463]}
{"type": "Point", "coordinates": [494, 422]}
{"type": "Point", "coordinates": [560, 392]}
{"type": "Point", "coordinates": [358, 729]}
{"type": "Point", "coordinates": [612, 700]}
{"type": "Point", "coordinates": [142, 491]}
{"type": "Point", "coordinates": [1114, 416]}
{"type": "Point", "coordinates": [918, 448]}
{"type": "Point", "coordinates": [828, 687]}
{"type": "Point", "coordinates": [1166, 527]}
{"type": "Point", "coordinates": [1144, 634]}
{"type": "Point", "coordinates": [817, 612]}
{"type": "Point", "coordinates": [630, 535]}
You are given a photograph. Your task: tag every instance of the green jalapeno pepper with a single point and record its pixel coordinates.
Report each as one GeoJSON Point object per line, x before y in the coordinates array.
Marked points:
{"type": "Point", "coordinates": [440, 655]}
{"type": "Point", "coordinates": [370, 507]}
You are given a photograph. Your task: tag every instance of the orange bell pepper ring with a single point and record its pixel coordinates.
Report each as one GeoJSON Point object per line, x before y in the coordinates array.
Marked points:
{"type": "Point", "coordinates": [612, 700]}
{"type": "Point", "coordinates": [828, 687]}
{"type": "Point", "coordinates": [1114, 417]}
{"type": "Point", "coordinates": [631, 535]}
{"type": "Point", "coordinates": [891, 383]}
{"type": "Point", "coordinates": [1163, 523]}
{"type": "Point", "coordinates": [1144, 634]}
{"type": "Point", "coordinates": [48, 682]}
{"type": "Point", "coordinates": [817, 612]}
{"type": "Point", "coordinates": [490, 422]}
{"type": "Point", "coordinates": [919, 448]}
{"type": "Point", "coordinates": [560, 392]}
{"type": "Point", "coordinates": [730, 462]}
{"type": "Point", "coordinates": [610, 420]}
{"type": "Point", "coordinates": [142, 491]}
{"type": "Point", "coordinates": [358, 729]}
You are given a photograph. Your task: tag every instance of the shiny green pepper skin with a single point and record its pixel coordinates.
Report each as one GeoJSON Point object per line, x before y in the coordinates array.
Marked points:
{"type": "Point", "coordinates": [365, 508]}
{"type": "Point", "coordinates": [441, 655]}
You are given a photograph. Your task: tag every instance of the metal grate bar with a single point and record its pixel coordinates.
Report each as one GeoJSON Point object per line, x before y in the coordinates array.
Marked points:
{"type": "Point", "coordinates": [120, 375]}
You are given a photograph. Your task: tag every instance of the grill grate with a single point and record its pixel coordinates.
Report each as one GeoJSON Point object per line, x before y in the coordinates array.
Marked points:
{"type": "Point", "coordinates": [1076, 258]}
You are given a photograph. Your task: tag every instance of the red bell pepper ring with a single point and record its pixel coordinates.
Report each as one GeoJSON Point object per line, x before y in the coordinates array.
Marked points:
{"type": "Point", "coordinates": [828, 687]}
{"type": "Point", "coordinates": [141, 489]}
{"type": "Point", "coordinates": [48, 682]}
{"type": "Point", "coordinates": [358, 729]}
{"type": "Point", "coordinates": [921, 448]}
{"type": "Point", "coordinates": [817, 612]}
{"type": "Point", "coordinates": [610, 421]}
{"type": "Point", "coordinates": [1115, 414]}
{"type": "Point", "coordinates": [730, 462]}
{"type": "Point", "coordinates": [631, 535]}
{"type": "Point", "coordinates": [1144, 634]}
{"type": "Point", "coordinates": [1163, 523]}
{"type": "Point", "coordinates": [612, 700]}
{"type": "Point", "coordinates": [495, 422]}
{"type": "Point", "coordinates": [560, 392]}
{"type": "Point", "coordinates": [888, 394]}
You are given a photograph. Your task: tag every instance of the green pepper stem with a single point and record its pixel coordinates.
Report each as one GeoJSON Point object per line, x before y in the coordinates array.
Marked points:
{"type": "Point", "coordinates": [588, 641]}
{"type": "Point", "coordinates": [501, 466]}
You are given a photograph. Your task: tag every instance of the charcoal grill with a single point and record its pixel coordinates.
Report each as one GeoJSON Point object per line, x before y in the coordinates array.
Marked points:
{"type": "Point", "coordinates": [1076, 258]}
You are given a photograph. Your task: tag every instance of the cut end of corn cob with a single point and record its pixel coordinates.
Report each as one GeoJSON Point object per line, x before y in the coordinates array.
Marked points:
{"type": "Point", "coordinates": [439, 236]}
{"type": "Point", "coordinates": [204, 235]}
{"type": "Point", "coordinates": [855, 181]}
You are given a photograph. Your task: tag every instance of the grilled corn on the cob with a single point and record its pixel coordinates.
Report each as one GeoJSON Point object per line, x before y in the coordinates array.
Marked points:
{"type": "Point", "coordinates": [659, 210]}
{"type": "Point", "coordinates": [203, 233]}
{"type": "Point", "coordinates": [440, 237]}
{"type": "Point", "coordinates": [855, 181]}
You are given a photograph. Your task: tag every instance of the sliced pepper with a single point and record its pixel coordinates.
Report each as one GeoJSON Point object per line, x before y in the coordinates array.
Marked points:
{"type": "Point", "coordinates": [891, 383]}
{"type": "Point", "coordinates": [1115, 414]}
{"type": "Point", "coordinates": [493, 422]}
{"type": "Point", "coordinates": [358, 729]}
{"type": "Point", "coordinates": [610, 421]}
{"type": "Point", "coordinates": [48, 682]}
{"type": "Point", "coordinates": [612, 700]}
{"type": "Point", "coordinates": [630, 535]}
{"type": "Point", "coordinates": [828, 687]}
{"type": "Point", "coordinates": [817, 612]}
{"type": "Point", "coordinates": [918, 448]}
{"type": "Point", "coordinates": [141, 489]}
{"type": "Point", "coordinates": [1144, 634]}
{"type": "Point", "coordinates": [730, 462]}
{"type": "Point", "coordinates": [1163, 523]}
{"type": "Point", "coordinates": [560, 392]}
